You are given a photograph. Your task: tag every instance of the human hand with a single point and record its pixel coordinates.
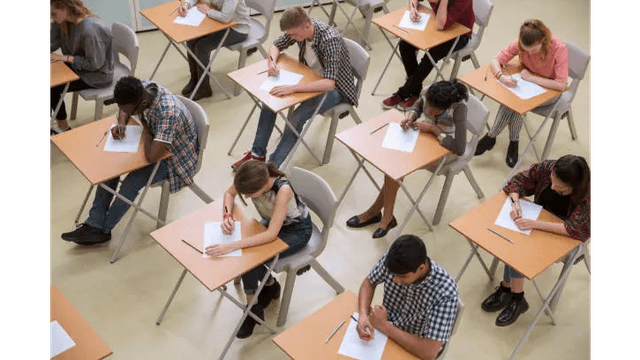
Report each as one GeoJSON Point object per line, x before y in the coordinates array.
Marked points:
{"type": "Point", "coordinates": [273, 69]}
{"type": "Point", "coordinates": [57, 57]}
{"type": "Point", "coordinates": [182, 10]}
{"type": "Point", "coordinates": [282, 90]}
{"type": "Point", "coordinates": [508, 80]}
{"type": "Point", "coordinates": [423, 126]}
{"type": "Point", "coordinates": [378, 316]}
{"type": "Point", "coordinates": [221, 249]}
{"type": "Point", "coordinates": [414, 15]}
{"type": "Point", "coordinates": [526, 224]}
{"type": "Point", "coordinates": [118, 131]}
{"type": "Point", "coordinates": [407, 123]}
{"type": "Point", "coordinates": [364, 327]}
{"type": "Point", "coordinates": [203, 8]}
{"type": "Point", "coordinates": [526, 75]}
{"type": "Point", "coordinates": [516, 211]}
{"type": "Point", "coordinates": [228, 225]}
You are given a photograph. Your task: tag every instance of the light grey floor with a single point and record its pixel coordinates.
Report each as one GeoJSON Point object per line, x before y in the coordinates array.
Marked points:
{"type": "Point", "coordinates": [122, 300]}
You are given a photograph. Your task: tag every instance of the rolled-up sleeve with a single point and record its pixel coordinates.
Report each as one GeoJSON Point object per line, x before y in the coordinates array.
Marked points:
{"type": "Point", "coordinates": [508, 53]}
{"type": "Point", "coordinates": [283, 41]}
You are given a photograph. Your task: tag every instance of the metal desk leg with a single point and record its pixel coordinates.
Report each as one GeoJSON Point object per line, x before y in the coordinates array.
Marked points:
{"type": "Point", "coordinates": [55, 112]}
{"type": "Point", "coordinates": [206, 68]}
{"type": "Point", "coordinates": [84, 203]}
{"type": "Point", "coordinates": [474, 251]}
{"type": "Point", "coordinates": [360, 166]}
{"type": "Point", "coordinates": [153, 73]}
{"type": "Point", "coordinates": [435, 66]}
{"type": "Point", "coordinates": [173, 293]}
{"type": "Point", "coordinates": [384, 70]}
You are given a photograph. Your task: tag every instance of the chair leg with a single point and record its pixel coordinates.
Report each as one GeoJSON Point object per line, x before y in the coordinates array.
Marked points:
{"type": "Point", "coordinates": [74, 106]}
{"type": "Point", "coordinates": [473, 182]}
{"type": "Point", "coordinates": [200, 193]}
{"type": "Point", "coordinates": [332, 132]}
{"type": "Point", "coordinates": [443, 198]}
{"type": "Point", "coordinates": [587, 259]}
{"type": "Point", "coordinates": [286, 297]}
{"type": "Point", "coordinates": [367, 24]}
{"type": "Point", "coordinates": [572, 125]}
{"type": "Point", "coordinates": [242, 59]}
{"type": "Point", "coordinates": [263, 52]}
{"type": "Point", "coordinates": [474, 60]}
{"type": "Point", "coordinates": [320, 270]}
{"type": "Point", "coordinates": [164, 205]}
{"type": "Point", "coordinates": [355, 116]}
{"type": "Point", "coordinates": [98, 111]}
{"type": "Point", "coordinates": [456, 67]}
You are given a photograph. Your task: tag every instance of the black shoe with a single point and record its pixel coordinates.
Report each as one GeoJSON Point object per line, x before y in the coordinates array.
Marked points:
{"type": "Point", "coordinates": [94, 239]}
{"type": "Point", "coordinates": [353, 222]}
{"type": "Point", "coordinates": [303, 270]}
{"type": "Point", "coordinates": [81, 232]}
{"type": "Point", "coordinates": [251, 51]}
{"type": "Point", "coordinates": [268, 293]}
{"type": "Point", "coordinates": [486, 143]}
{"type": "Point", "coordinates": [246, 329]}
{"type": "Point", "coordinates": [498, 300]}
{"type": "Point", "coordinates": [380, 232]}
{"type": "Point", "coordinates": [56, 131]}
{"type": "Point", "coordinates": [512, 154]}
{"type": "Point", "coordinates": [510, 314]}
{"type": "Point", "coordinates": [204, 91]}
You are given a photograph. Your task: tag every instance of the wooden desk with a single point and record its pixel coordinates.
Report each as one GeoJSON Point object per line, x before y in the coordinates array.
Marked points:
{"type": "Point", "coordinates": [98, 166]}
{"type": "Point", "coordinates": [306, 340]}
{"type": "Point", "coordinates": [214, 273]}
{"type": "Point", "coordinates": [251, 77]}
{"type": "Point", "coordinates": [529, 254]}
{"type": "Point", "coordinates": [61, 74]}
{"type": "Point", "coordinates": [422, 40]}
{"type": "Point", "coordinates": [162, 17]}
{"type": "Point", "coordinates": [395, 163]}
{"type": "Point", "coordinates": [89, 345]}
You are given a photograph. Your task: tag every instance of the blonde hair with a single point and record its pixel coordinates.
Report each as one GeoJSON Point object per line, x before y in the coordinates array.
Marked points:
{"type": "Point", "coordinates": [293, 18]}
{"type": "Point", "coordinates": [533, 32]}
{"type": "Point", "coordinates": [75, 8]}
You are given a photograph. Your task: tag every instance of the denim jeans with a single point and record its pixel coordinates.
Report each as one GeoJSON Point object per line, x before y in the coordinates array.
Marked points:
{"type": "Point", "coordinates": [296, 236]}
{"type": "Point", "coordinates": [509, 273]}
{"type": "Point", "coordinates": [299, 117]}
{"type": "Point", "coordinates": [105, 215]}
{"type": "Point", "coordinates": [203, 46]}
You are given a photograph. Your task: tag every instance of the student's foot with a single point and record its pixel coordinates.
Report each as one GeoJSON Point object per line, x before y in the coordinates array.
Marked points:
{"type": "Point", "coordinates": [515, 307]}
{"type": "Point", "coordinates": [247, 156]}
{"type": "Point", "coordinates": [391, 102]}
{"type": "Point", "coordinates": [246, 329]}
{"type": "Point", "coordinates": [268, 293]}
{"type": "Point", "coordinates": [486, 143]}
{"type": "Point", "coordinates": [498, 300]}
{"type": "Point", "coordinates": [204, 91]}
{"type": "Point", "coordinates": [56, 130]}
{"type": "Point", "coordinates": [380, 232]}
{"type": "Point", "coordinates": [251, 51]}
{"type": "Point", "coordinates": [512, 154]}
{"type": "Point", "coordinates": [405, 105]}
{"type": "Point", "coordinates": [354, 221]}
{"type": "Point", "coordinates": [86, 234]}
{"type": "Point", "coordinates": [188, 89]}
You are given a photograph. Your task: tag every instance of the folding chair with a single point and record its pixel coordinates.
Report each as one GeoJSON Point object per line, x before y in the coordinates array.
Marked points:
{"type": "Point", "coordinates": [482, 10]}
{"type": "Point", "coordinates": [461, 307]}
{"type": "Point", "coordinates": [367, 8]}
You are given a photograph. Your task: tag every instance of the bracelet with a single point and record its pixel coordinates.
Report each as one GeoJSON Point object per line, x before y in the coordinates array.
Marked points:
{"type": "Point", "coordinates": [227, 215]}
{"type": "Point", "coordinates": [499, 76]}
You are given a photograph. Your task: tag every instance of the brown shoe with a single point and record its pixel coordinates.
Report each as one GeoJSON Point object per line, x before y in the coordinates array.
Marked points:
{"type": "Point", "coordinates": [247, 156]}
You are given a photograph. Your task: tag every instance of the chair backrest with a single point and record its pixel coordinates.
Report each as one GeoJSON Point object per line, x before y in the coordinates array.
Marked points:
{"type": "Point", "coordinates": [202, 126]}
{"type": "Point", "coordinates": [455, 328]}
{"type": "Point", "coordinates": [318, 196]}
{"type": "Point", "coordinates": [359, 59]}
{"type": "Point", "coordinates": [125, 42]}
{"type": "Point", "coordinates": [482, 10]}
{"type": "Point", "coordinates": [265, 7]}
{"type": "Point", "coordinates": [477, 116]}
{"type": "Point", "coordinates": [578, 63]}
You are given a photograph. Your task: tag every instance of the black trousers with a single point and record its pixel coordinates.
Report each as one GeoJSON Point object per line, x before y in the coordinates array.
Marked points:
{"type": "Point", "coordinates": [417, 72]}
{"type": "Point", "coordinates": [56, 92]}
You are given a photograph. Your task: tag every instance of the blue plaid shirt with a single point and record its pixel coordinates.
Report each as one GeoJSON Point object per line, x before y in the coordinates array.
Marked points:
{"type": "Point", "coordinates": [426, 309]}
{"type": "Point", "coordinates": [170, 122]}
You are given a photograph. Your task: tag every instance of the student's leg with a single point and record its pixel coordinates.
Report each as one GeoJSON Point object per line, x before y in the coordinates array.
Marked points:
{"type": "Point", "coordinates": [504, 117]}
{"type": "Point", "coordinates": [517, 304]}
{"type": "Point", "coordinates": [56, 93]}
{"type": "Point", "coordinates": [408, 54]}
{"type": "Point", "coordinates": [390, 191]}
{"type": "Point", "coordinates": [101, 203]}
{"type": "Point", "coordinates": [132, 184]}
{"type": "Point", "coordinates": [193, 68]}
{"type": "Point", "coordinates": [266, 122]}
{"type": "Point", "coordinates": [299, 117]}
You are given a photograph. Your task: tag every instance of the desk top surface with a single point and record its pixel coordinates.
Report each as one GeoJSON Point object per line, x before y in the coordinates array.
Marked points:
{"type": "Point", "coordinates": [97, 165]}
{"type": "Point", "coordinates": [422, 40]}
{"type": "Point", "coordinates": [252, 76]}
{"type": "Point", "coordinates": [498, 92]}
{"type": "Point", "coordinates": [162, 17]}
{"type": "Point", "coordinates": [529, 254]}
{"type": "Point", "coordinates": [394, 163]}
{"type": "Point", "coordinates": [214, 272]}
{"type": "Point", "coordinates": [61, 74]}
{"type": "Point", "coordinates": [306, 340]}
{"type": "Point", "coordinates": [89, 345]}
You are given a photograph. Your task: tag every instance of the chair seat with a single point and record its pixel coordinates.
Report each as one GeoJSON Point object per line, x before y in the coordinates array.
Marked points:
{"type": "Point", "coordinates": [545, 110]}
{"type": "Point", "coordinates": [339, 108]}
{"type": "Point", "coordinates": [471, 46]}
{"type": "Point", "coordinates": [106, 92]}
{"type": "Point", "coordinates": [256, 34]}
{"type": "Point", "coordinates": [302, 257]}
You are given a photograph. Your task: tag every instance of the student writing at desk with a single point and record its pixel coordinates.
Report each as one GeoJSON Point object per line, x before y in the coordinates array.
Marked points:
{"type": "Point", "coordinates": [169, 127]}
{"type": "Point", "coordinates": [323, 49]}
{"type": "Point", "coordinates": [223, 11]}
{"type": "Point", "coordinates": [546, 63]}
{"type": "Point", "coordinates": [86, 47]}
{"type": "Point", "coordinates": [420, 299]}
{"type": "Point", "coordinates": [434, 102]}
{"type": "Point", "coordinates": [445, 13]}
{"type": "Point", "coordinates": [284, 214]}
{"type": "Point", "coordinates": [563, 188]}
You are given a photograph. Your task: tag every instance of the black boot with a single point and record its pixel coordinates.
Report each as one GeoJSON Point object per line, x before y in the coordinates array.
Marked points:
{"type": "Point", "coordinates": [516, 306]}
{"type": "Point", "coordinates": [486, 143]}
{"type": "Point", "coordinates": [512, 154]}
{"type": "Point", "coordinates": [246, 329]}
{"type": "Point", "coordinates": [498, 300]}
{"type": "Point", "coordinates": [193, 80]}
{"type": "Point", "coordinates": [204, 90]}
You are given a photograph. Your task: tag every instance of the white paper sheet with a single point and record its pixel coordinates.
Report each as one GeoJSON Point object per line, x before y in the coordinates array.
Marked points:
{"type": "Point", "coordinates": [284, 78]}
{"type": "Point", "coordinates": [129, 143]}
{"type": "Point", "coordinates": [60, 340]}
{"type": "Point", "coordinates": [398, 139]}
{"type": "Point", "coordinates": [406, 22]}
{"type": "Point", "coordinates": [193, 18]}
{"type": "Point", "coordinates": [352, 346]}
{"type": "Point", "coordinates": [213, 235]}
{"type": "Point", "coordinates": [525, 89]}
{"type": "Point", "coordinates": [529, 211]}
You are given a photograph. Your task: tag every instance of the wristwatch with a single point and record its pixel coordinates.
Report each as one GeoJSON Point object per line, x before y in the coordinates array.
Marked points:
{"type": "Point", "coordinates": [442, 136]}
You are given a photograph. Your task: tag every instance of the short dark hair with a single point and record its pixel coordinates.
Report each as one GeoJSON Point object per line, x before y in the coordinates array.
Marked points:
{"type": "Point", "coordinates": [406, 254]}
{"type": "Point", "coordinates": [443, 94]}
{"type": "Point", "coordinates": [128, 90]}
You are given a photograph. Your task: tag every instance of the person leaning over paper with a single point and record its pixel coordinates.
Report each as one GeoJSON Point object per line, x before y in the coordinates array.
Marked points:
{"type": "Point", "coordinates": [562, 187]}
{"type": "Point", "coordinates": [420, 300]}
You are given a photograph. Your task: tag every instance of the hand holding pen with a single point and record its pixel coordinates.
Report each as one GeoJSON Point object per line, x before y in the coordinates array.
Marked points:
{"type": "Point", "coordinates": [363, 327]}
{"type": "Point", "coordinates": [507, 80]}
{"type": "Point", "coordinates": [228, 224]}
{"type": "Point", "coordinates": [273, 67]}
{"type": "Point", "coordinates": [118, 131]}
{"type": "Point", "coordinates": [516, 211]}
{"type": "Point", "coordinates": [414, 14]}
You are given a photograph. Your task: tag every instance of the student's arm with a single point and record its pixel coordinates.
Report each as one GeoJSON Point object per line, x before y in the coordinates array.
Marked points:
{"type": "Point", "coordinates": [365, 295]}
{"type": "Point", "coordinates": [153, 149]}
{"type": "Point", "coordinates": [449, 15]}
{"type": "Point", "coordinates": [528, 224]}
{"type": "Point", "coordinates": [502, 77]}
{"type": "Point", "coordinates": [54, 37]}
{"type": "Point", "coordinates": [95, 53]}
{"type": "Point", "coordinates": [228, 202]}
{"type": "Point", "coordinates": [423, 348]}
{"type": "Point", "coordinates": [223, 10]}
{"type": "Point", "coordinates": [542, 81]}
{"type": "Point", "coordinates": [458, 144]}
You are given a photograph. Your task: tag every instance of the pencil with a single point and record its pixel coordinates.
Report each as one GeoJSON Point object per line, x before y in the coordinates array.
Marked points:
{"type": "Point", "coordinates": [334, 332]}
{"type": "Point", "coordinates": [401, 28]}
{"type": "Point", "coordinates": [262, 72]}
{"type": "Point", "coordinates": [102, 138]}
{"type": "Point", "coordinates": [385, 124]}
{"type": "Point", "coordinates": [502, 236]}
{"type": "Point", "coordinates": [357, 322]}
{"type": "Point", "coordinates": [196, 249]}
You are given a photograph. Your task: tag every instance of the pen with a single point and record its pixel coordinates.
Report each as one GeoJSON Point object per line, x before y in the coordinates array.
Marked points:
{"type": "Point", "coordinates": [186, 242]}
{"type": "Point", "coordinates": [502, 236]}
{"type": "Point", "coordinates": [334, 332]}
{"type": "Point", "coordinates": [262, 72]}
{"type": "Point", "coordinates": [102, 138]}
{"type": "Point", "coordinates": [356, 320]}
{"type": "Point", "coordinates": [177, 7]}
{"type": "Point", "coordinates": [401, 28]}
{"type": "Point", "coordinates": [385, 124]}
{"type": "Point", "coordinates": [505, 69]}
{"type": "Point", "coordinates": [514, 202]}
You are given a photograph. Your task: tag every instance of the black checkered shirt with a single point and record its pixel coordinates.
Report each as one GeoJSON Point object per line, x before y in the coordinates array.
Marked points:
{"type": "Point", "coordinates": [427, 309]}
{"type": "Point", "coordinates": [332, 54]}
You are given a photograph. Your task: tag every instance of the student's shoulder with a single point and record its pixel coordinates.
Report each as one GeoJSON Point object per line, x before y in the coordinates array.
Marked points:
{"type": "Point", "coordinates": [446, 284]}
